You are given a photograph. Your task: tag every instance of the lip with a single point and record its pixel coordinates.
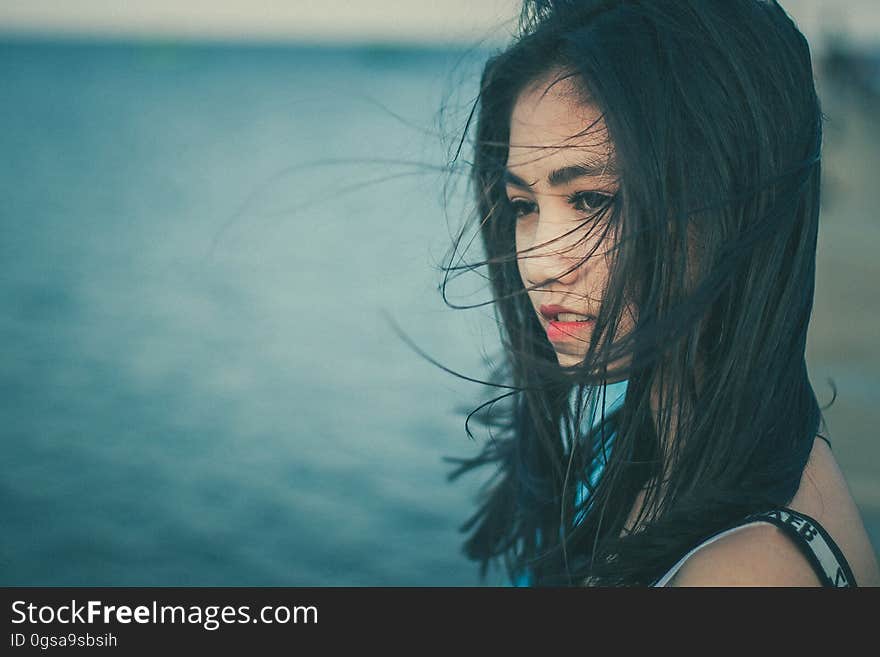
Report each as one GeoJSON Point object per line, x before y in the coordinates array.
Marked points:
{"type": "Point", "coordinates": [569, 331]}
{"type": "Point", "coordinates": [565, 331]}
{"type": "Point", "coordinates": [551, 311]}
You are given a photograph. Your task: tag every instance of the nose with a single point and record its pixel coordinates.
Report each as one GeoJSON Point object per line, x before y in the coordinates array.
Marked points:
{"type": "Point", "coordinates": [551, 255]}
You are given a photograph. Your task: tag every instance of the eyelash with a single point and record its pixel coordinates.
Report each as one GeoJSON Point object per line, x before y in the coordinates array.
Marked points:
{"type": "Point", "coordinates": [596, 202]}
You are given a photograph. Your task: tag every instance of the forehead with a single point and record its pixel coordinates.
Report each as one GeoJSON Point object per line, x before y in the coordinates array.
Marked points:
{"type": "Point", "coordinates": [552, 126]}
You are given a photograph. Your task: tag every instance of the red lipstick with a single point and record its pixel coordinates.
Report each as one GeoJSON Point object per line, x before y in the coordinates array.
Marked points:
{"type": "Point", "coordinates": [566, 331]}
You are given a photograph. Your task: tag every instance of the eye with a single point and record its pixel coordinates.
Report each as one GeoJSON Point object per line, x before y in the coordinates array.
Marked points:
{"type": "Point", "coordinates": [590, 202]}
{"type": "Point", "coordinates": [522, 208]}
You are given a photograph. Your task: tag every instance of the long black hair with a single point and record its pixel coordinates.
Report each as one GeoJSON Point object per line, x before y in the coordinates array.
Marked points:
{"type": "Point", "coordinates": [716, 128]}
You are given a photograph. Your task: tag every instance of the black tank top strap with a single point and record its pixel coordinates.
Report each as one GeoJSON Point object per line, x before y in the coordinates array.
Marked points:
{"type": "Point", "coordinates": [815, 543]}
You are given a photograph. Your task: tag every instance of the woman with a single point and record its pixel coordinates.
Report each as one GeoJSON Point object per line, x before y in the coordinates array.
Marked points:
{"type": "Point", "coordinates": [647, 177]}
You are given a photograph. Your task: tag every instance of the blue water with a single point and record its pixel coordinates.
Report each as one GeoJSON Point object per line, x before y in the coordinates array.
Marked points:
{"type": "Point", "coordinates": [198, 385]}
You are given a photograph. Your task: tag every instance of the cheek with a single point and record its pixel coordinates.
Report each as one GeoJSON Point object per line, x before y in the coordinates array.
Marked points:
{"type": "Point", "coordinates": [523, 277]}
{"type": "Point", "coordinates": [520, 261]}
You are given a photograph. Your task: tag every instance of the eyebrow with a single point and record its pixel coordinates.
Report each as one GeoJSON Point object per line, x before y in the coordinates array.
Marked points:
{"type": "Point", "coordinates": [565, 175]}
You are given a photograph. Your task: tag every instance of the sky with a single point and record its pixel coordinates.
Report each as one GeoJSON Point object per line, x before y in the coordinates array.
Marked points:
{"type": "Point", "coordinates": [387, 21]}
{"type": "Point", "coordinates": [409, 21]}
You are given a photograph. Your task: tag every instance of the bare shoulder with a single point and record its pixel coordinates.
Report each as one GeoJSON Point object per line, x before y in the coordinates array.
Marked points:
{"type": "Point", "coordinates": [756, 555]}
{"type": "Point", "coordinates": [763, 555]}
{"type": "Point", "coordinates": [825, 496]}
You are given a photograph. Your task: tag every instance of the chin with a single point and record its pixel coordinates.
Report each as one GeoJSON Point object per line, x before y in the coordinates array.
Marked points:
{"type": "Point", "coordinates": [568, 360]}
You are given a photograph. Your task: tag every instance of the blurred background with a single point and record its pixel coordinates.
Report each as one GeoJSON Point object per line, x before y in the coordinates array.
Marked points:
{"type": "Point", "coordinates": [208, 208]}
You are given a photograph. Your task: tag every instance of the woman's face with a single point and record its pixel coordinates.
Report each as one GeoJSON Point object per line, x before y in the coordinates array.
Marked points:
{"type": "Point", "coordinates": [560, 169]}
